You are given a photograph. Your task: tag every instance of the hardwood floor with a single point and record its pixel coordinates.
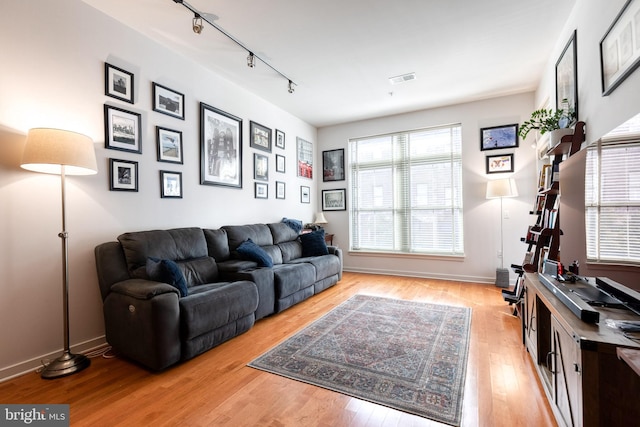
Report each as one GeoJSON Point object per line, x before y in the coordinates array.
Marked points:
{"type": "Point", "coordinates": [218, 389]}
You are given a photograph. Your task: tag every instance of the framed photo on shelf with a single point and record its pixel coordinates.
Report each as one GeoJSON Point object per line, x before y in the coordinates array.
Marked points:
{"type": "Point", "coordinates": [168, 101]}
{"type": "Point", "coordinates": [261, 190]}
{"type": "Point", "coordinates": [305, 194]}
{"type": "Point", "coordinates": [118, 83]}
{"type": "Point", "coordinates": [122, 129]}
{"type": "Point", "coordinates": [123, 175]}
{"type": "Point", "coordinates": [260, 167]}
{"type": "Point", "coordinates": [497, 137]}
{"type": "Point", "coordinates": [500, 163]}
{"type": "Point", "coordinates": [334, 200]}
{"type": "Point", "coordinates": [170, 184]}
{"type": "Point", "coordinates": [280, 190]}
{"type": "Point", "coordinates": [260, 136]}
{"type": "Point", "coordinates": [169, 144]}
{"type": "Point", "coordinates": [567, 77]}
{"type": "Point", "coordinates": [279, 139]}
{"type": "Point", "coordinates": [220, 147]}
{"type": "Point", "coordinates": [280, 163]}
{"type": "Point", "coordinates": [333, 165]}
{"type": "Point", "coordinates": [620, 47]}
{"type": "Point", "coordinates": [304, 154]}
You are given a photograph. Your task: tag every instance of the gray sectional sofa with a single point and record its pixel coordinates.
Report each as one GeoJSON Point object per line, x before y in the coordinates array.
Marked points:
{"type": "Point", "coordinates": [169, 295]}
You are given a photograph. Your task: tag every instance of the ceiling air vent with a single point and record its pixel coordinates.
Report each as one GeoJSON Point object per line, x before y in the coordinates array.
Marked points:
{"type": "Point", "coordinates": [402, 78]}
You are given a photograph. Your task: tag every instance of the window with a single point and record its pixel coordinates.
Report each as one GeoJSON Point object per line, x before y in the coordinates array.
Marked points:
{"type": "Point", "coordinates": [407, 192]}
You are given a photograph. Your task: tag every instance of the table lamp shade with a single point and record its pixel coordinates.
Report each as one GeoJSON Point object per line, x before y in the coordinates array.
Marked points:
{"type": "Point", "coordinates": [46, 150]}
{"type": "Point", "coordinates": [505, 187]}
{"type": "Point", "coordinates": [320, 219]}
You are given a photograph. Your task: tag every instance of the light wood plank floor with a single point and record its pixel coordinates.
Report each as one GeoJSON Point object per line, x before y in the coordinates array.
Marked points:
{"type": "Point", "coordinates": [217, 388]}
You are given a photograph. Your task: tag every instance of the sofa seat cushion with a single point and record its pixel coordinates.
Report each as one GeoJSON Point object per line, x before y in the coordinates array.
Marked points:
{"type": "Point", "coordinates": [291, 278]}
{"type": "Point", "coordinates": [198, 271]}
{"type": "Point", "coordinates": [326, 265]}
{"type": "Point", "coordinates": [210, 306]}
{"type": "Point", "coordinates": [235, 265]}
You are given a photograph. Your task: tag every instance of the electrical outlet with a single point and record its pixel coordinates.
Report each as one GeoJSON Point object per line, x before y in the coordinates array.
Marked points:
{"type": "Point", "coordinates": [506, 214]}
{"type": "Point", "coordinates": [499, 254]}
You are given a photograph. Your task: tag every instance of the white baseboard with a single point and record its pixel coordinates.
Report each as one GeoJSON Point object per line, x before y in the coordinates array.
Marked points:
{"type": "Point", "coordinates": [425, 275]}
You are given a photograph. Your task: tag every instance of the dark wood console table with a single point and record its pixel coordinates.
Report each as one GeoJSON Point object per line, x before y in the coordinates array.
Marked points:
{"type": "Point", "coordinates": [584, 379]}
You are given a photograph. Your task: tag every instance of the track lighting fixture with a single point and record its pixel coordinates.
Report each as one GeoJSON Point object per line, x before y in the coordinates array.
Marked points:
{"type": "Point", "coordinates": [251, 60]}
{"type": "Point", "coordinates": [197, 24]}
{"type": "Point", "coordinates": [291, 89]}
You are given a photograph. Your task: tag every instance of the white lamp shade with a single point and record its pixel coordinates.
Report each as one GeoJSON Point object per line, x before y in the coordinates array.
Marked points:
{"type": "Point", "coordinates": [505, 187]}
{"type": "Point", "coordinates": [320, 219]}
{"type": "Point", "coordinates": [47, 150]}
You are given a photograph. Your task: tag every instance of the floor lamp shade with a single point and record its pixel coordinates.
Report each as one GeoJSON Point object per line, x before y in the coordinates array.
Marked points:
{"type": "Point", "coordinates": [61, 152]}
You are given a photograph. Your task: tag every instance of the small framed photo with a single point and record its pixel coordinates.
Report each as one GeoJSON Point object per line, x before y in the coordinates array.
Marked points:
{"type": "Point", "coordinates": [305, 194]}
{"type": "Point", "coordinates": [118, 83]}
{"type": "Point", "coordinates": [334, 200]}
{"type": "Point", "coordinates": [123, 175]}
{"type": "Point", "coordinates": [260, 136]}
{"type": "Point", "coordinates": [170, 184]}
{"type": "Point", "coordinates": [169, 145]}
{"type": "Point", "coordinates": [220, 147]}
{"type": "Point", "coordinates": [304, 150]}
{"type": "Point", "coordinates": [500, 163]}
{"type": "Point", "coordinates": [168, 101]}
{"type": "Point", "coordinates": [333, 165]}
{"type": "Point", "coordinates": [279, 139]}
{"type": "Point", "coordinates": [261, 190]}
{"type": "Point", "coordinates": [280, 190]}
{"type": "Point", "coordinates": [280, 163]}
{"type": "Point", "coordinates": [496, 137]}
{"type": "Point", "coordinates": [260, 167]}
{"type": "Point", "coordinates": [122, 129]}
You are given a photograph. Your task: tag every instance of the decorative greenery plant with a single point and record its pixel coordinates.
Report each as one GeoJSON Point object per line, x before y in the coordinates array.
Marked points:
{"type": "Point", "coordinates": [546, 120]}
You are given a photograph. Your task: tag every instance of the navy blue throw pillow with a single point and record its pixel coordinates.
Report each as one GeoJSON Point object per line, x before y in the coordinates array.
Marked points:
{"type": "Point", "coordinates": [249, 250]}
{"type": "Point", "coordinates": [313, 244]}
{"type": "Point", "coordinates": [295, 224]}
{"type": "Point", "coordinates": [167, 271]}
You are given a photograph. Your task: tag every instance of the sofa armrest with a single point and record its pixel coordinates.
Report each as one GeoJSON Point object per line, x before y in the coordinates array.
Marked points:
{"type": "Point", "coordinates": [334, 250]}
{"type": "Point", "coordinates": [142, 289]}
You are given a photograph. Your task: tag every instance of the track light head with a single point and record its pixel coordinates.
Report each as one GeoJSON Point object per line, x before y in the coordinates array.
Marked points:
{"type": "Point", "coordinates": [197, 24]}
{"type": "Point", "coordinates": [251, 60]}
{"type": "Point", "coordinates": [291, 88]}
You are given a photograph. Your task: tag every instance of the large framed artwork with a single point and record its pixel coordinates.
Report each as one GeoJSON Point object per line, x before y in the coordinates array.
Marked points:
{"type": "Point", "coordinates": [567, 77]}
{"type": "Point", "coordinates": [220, 147]}
{"type": "Point", "coordinates": [497, 137]}
{"type": "Point", "coordinates": [333, 165]}
{"type": "Point", "coordinates": [168, 101]}
{"type": "Point", "coordinates": [260, 136]}
{"type": "Point", "coordinates": [122, 129]}
{"type": "Point", "coordinates": [620, 47]}
{"type": "Point", "coordinates": [118, 83]}
{"type": "Point", "coordinates": [304, 152]}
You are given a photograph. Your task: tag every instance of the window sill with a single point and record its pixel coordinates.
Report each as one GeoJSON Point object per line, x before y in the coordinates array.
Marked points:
{"type": "Point", "coordinates": [455, 258]}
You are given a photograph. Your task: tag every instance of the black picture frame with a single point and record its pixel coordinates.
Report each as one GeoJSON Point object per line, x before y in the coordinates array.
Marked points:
{"type": "Point", "coordinates": [118, 83]}
{"type": "Point", "coordinates": [261, 190]}
{"type": "Point", "coordinates": [280, 139]}
{"type": "Point", "coordinates": [304, 157]}
{"type": "Point", "coordinates": [333, 165]}
{"type": "Point", "coordinates": [499, 137]}
{"type": "Point", "coordinates": [618, 58]}
{"type": "Point", "coordinates": [334, 200]}
{"type": "Point", "coordinates": [168, 101]}
{"type": "Point", "coordinates": [169, 145]}
{"type": "Point", "coordinates": [122, 129]}
{"type": "Point", "coordinates": [123, 175]}
{"type": "Point", "coordinates": [260, 167]}
{"type": "Point", "coordinates": [305, 194]}
{"type": "Point", "coordinates": [281, 190]}
{"type": "Point", "coordinates": [567, 76]}
{"type": "Point", "coordinates": [220, 147]}
{"type": "Point", "coordinates": [259, 136]}
{"type": "Point", "coordinates": [170, 185]}
{"type": "Point", "coordinates": [281, 163]}
{"type": "Point", "coordinates": [499, 163]}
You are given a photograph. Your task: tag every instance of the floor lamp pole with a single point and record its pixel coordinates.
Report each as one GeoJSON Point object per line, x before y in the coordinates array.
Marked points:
{"type": "Point", "coordinates": [501, 235]}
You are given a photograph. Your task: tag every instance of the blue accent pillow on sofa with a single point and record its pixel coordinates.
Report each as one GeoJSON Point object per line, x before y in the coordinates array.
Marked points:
{"type": "Point", "coordinates": [249, 250]}
{"type": "Point", "coordinates": [295, 224]}
{"type": "Point", "coordinates": [313, 244]}
{"type": "Point", "coordinates": [167, 271]}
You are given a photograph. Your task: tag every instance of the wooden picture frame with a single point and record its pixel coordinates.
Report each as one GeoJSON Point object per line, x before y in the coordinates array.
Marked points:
{"type": "Point", "coordinates": [499, 137]}
{"type": "Point", "coordinates": [118, 83]}
{"type": "Point", "coordinates": [123, 175]}
{"type": "Point", "coordinates": [333, 165]}
{"type": "Point", "coordinates": [305, 194]}
{"type": "Point", "coordinates": [260, 167]}
{"type": "Point", "coordinates": [500, 163]}
{"type": "Point", "coordinates": [168, 101]}
{"type": "Point", "coordinates": [304, 157]}
{"type": "Point", "coordinates": [220, 147]}
{"type": "Point", "coordinates": [169, 145]}
{"type": "Point", "coordinates": [260, 136]}
{"type": "Point", "coordinates": [261, 190]}
{"type": "Point", "coordinates": [280, 190]}
{"type": "Point", "coordinates": [281, 163]}
{"type": "Point", "coordinates": [122, 129]}
{"type": "Point", "coordinates": [567, 76]}
{"type": "Point", "coordinates": [170, 185]}
{"type": "Point", "coordinates": [334, 200]}
{"type": "Point", "coordinates": [280, 139]}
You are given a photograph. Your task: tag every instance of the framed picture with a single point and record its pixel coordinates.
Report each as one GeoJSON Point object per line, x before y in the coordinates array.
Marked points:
{"type": "Point", "coordinates": [260, 167]}
{"type": "Point", "coordinates": [261, 190]}
{"type": "Point", "coordinates": [333, 165]}
{"type": "Point", "coordinates": [500, 163]}
{"type": "Point", "coordinates": [280, 163]}
{"type": "Point", "coordinates": [497, 137]}
{"type": "Point", "coordinates": [304, 151]}
{"type": "Point", "coordinates": [122, 129]}
{"type": "Point", "coordinates": [169, 145]}
{"type": "Point", "coordinates": [220, 147]}
{"type": "Point", "coordinates": [620, 47]}
{"type": "Point", "coordinates": [334, 200]}
{"type": "Point", "coordinates": [123, 175]}
{"type": "Point", "coordinates": [260, 136]}
{"type": "Point", "coordinates": [567, 77]}
{"type": "Point", "coordinates": [280, 190]}
{"type": "Point", "coordinates": [279, 139]}
{"type": "Point", "coordinates": [168, 101]}
{"type": "Point", "coordinates": [118, 83]}
{"type": "Point", "coordinates": [170, 184]}
{"type": "Point", "coordinates": [305, 194]}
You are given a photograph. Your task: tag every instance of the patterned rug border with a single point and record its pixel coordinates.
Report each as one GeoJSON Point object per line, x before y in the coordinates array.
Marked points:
{"type": "Point", "coordinates": [454, 420]}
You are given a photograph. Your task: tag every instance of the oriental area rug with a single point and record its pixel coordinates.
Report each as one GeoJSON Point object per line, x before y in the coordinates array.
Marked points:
{"type": "Point", "coordinates": [407, 355]}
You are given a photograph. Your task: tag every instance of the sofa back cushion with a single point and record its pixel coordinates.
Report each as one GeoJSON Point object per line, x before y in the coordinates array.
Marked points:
{"type": "Point", "coordinates": [259, 233]}
{"type": "Point", "coordinates": [217, 244]}
{"type": "Point", "coordinates": [281, 232]}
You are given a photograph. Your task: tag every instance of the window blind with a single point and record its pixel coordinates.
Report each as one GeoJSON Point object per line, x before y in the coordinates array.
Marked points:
{"type": "Point", "coordinates": [406, 192]}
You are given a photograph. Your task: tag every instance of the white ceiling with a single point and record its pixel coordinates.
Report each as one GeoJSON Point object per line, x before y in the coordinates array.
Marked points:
{"type": "Point", "coordinates": [340, 53]}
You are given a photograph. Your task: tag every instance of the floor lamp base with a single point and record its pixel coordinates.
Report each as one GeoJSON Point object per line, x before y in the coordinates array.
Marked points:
{"type": "Point", "coordinates": [502, 277]}
{"type": "Point", "coordinates": [64, 365]}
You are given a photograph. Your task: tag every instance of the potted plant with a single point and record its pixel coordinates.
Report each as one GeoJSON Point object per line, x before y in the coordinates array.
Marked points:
{"type": "Point", "coordinates": [548, 120]}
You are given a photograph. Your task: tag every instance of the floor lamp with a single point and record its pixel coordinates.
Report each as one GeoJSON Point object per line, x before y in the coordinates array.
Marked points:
{"type": "Point", "coordinates": [62, 153]}
{"type": "Point", "coordinates": [501, 188]}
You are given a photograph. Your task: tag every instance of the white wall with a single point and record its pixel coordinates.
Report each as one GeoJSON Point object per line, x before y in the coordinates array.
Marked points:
{"type": "Point", "coordinates": [52, 76]}
{"type": "Point", "coordinates": [481, 216]}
